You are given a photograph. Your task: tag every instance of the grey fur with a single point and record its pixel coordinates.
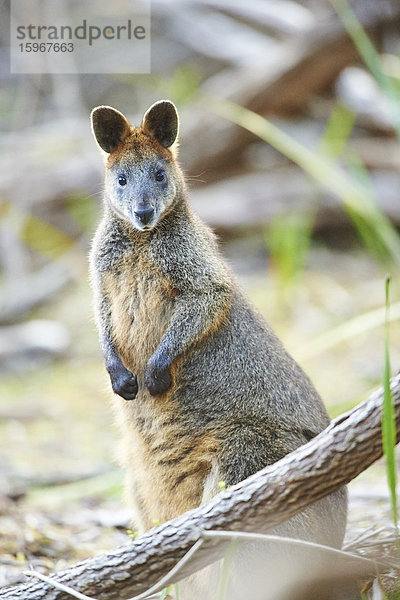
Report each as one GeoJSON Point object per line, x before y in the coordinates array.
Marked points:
{"type": "Point", "coordinates": [210, 355]}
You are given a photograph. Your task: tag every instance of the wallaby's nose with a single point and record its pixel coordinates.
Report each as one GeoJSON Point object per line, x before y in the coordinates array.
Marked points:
{"type": "Point", "coordinates": [144, 214]}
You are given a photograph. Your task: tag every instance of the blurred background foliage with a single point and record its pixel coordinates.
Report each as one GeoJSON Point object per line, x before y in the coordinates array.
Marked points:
{"type": "Point", "coordinates": [290, 130]}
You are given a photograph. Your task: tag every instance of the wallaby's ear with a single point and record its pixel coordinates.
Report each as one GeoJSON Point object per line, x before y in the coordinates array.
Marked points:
{"type": "Point", "coordinates": [109, 127]}
{"type": "Point", "coordinates": [162, 122]}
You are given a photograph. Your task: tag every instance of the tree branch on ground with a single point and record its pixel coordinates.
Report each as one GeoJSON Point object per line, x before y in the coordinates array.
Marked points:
{"type": "Point", "coordinates": [350, 444]}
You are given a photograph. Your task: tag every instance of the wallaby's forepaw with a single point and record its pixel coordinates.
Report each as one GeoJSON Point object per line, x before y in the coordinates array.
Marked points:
{"type": "Point", "coordinates": [124, 383]}
{"type": "Point", "coordinates": [157, 378]}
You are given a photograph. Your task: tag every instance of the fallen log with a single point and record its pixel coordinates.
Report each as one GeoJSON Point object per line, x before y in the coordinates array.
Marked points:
{"type": "Point", "coordinates": [257, 198]}
{"type": "Point", "coordinates": [22, 295]}
{"type": "Point", "coordinates": [32, 343]}
{"type": "Point", "coordinates": [281, 84]}
{"type": "Point", "coordinates": [350, 444]}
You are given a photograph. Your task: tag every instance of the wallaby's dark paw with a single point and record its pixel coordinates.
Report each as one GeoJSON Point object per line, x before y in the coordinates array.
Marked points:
{"type": "Point", "coordinates": [124, 383]}
{"type": "Point", "coordinates": [156, 378]}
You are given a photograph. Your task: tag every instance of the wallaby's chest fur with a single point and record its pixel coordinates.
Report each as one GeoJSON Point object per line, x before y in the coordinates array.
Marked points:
{"type": "Point", "coordinates": [141, 303]}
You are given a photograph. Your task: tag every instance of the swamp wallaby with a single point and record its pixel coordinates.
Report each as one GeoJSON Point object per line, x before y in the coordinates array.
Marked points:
{"type": "Point", "coordinates": [205, 391]}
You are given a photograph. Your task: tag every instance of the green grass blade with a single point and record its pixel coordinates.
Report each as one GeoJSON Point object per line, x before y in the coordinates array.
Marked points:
{"type": "Point", "coordinates": [165, 592]}
{"type": "Point", "coordinates": [337, 131]}
{"type": "Point", "coordinates": [366, 229]}
{"type": "Point", "coordinates": [288, 239]}
{"type": "Point", "coordinates": [370, 56]}
{"type": "Point", "coordinates": [389, 418]}
{"type": "Point", "coordinates": [226, 570]}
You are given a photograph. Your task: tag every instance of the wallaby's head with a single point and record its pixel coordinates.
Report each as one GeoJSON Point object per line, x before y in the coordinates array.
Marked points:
{"type": "Point", "coordinates": [143, 179]}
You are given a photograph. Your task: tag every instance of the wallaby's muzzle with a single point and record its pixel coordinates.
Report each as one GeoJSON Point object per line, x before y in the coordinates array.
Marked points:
{"type": "Point", "coordinates": [144, 214]}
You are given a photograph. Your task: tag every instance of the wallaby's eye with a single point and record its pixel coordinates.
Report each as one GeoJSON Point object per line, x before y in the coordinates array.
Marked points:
{"type": "Point", "coordinates": [160, 175]}
{"type": "Point", "coordinates": [122, 180]}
